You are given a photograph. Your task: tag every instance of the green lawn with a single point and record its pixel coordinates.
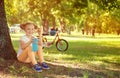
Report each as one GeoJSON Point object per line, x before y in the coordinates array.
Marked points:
{"type": "Point", "coordinates": [96, 54]}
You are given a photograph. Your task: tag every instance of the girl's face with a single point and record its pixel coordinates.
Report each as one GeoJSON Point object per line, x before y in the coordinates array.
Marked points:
{"type": "Point", "coordinates": [29, 29]}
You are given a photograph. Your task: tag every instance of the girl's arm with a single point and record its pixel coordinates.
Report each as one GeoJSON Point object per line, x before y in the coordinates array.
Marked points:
{"type": "Point", "coordinates": [40, 31]}
{"type": "Point", "coordinates": [24, 45]}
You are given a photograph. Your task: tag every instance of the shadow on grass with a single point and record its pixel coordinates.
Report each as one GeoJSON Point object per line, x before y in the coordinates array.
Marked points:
{"type": "Point", "coordinates": [88, 51]}
{"type": "Point", "coordinates": [113, 63]}
{"type": "Point", "coordinates": [81, 51]}
{"type": "Point", "coordinates": [91, 49]}
{"type": "Point", "coordinates": [16, 69]}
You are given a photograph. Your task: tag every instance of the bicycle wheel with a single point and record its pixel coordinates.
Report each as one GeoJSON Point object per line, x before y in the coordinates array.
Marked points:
{"type": "Point", "coordinates": [62, 45]}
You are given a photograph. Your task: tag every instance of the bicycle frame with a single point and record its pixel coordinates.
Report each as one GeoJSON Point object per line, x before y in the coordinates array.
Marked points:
{"type": "Point", "coordinates": [59, 42]}
{"type": "Point", "coordinates": [56, 36]}
{"type": "Point", "coordinates": [53, 41]}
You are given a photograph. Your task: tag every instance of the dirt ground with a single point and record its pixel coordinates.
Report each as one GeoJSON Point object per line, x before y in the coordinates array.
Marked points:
{"type": "Point", "coordinates": [15, 69]}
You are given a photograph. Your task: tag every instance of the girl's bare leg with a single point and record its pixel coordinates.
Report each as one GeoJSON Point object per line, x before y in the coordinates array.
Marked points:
{"type": "Point", "coordinates": [27, 56]}
{"type": "Point", "coordinates": [40, 54]}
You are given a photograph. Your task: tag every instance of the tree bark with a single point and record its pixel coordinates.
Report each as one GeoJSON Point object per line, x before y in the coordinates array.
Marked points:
{"type": "Point", "coordinates": [6, 49]}
{"type": "Point", "coordinates": [45, 26]}
{"type": "Point", "coordinates": [62, 24]}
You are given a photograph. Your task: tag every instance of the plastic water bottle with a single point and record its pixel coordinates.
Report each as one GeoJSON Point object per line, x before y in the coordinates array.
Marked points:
{"type": "Point", "coordinates": [35, 45]}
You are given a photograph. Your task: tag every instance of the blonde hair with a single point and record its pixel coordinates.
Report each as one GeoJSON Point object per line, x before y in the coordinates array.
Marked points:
{"type": "Point", "coordinates": [22, 26]}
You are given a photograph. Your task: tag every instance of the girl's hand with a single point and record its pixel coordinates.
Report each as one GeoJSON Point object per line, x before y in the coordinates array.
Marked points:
{"type": "Point", "coordinates": [40, 31]}
{"type": "Point", "coordinates": [31, 39]}
{"type": "Point", "coordinates": [24, 45]}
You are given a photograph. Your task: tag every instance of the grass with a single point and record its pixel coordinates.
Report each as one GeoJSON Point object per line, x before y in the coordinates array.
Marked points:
{"type": "Point", "coordinates": [87, 57]}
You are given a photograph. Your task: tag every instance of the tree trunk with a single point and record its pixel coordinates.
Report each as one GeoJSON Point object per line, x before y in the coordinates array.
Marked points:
{"type": "Point", "coordinates": [62, 24]}
{"type": "Point", "coordinates": [93, 31]}
{"type": "Point", "coordinates": [6, 49]}
{"type": "Point", "coordinates": [45, 26]}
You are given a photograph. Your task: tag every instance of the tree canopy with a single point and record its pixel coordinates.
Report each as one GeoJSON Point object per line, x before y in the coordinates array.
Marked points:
{"type": "Point", "coordinates": [67, 14]}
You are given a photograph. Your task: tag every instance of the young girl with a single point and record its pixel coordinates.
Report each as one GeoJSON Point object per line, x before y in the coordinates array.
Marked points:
{"type": "Point", "coordinates": [25, 53]}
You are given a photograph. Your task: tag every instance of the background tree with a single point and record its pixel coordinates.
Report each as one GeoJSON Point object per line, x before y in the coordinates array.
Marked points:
{"type": "Point", "coordinates": [66, 14]}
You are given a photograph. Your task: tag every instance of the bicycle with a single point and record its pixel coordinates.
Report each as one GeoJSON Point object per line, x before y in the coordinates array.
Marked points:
{"type": "Point", "coordinates": [61, 44]}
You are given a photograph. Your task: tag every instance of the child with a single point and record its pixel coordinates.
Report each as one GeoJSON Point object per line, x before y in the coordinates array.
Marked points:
{"type": "Point", "coordinates": [25, 53]}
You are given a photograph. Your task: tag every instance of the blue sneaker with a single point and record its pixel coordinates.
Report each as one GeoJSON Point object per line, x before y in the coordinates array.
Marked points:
{"type": "Point", "coordinates": [44, 65]}
{"type": "Point", "coordinates": [37, 68]}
